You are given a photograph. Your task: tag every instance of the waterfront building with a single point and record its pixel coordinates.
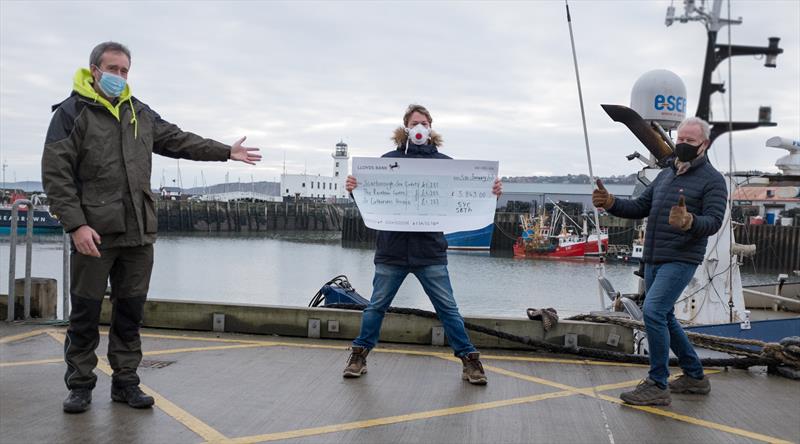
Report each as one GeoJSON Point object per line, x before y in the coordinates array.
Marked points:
{"type": "Point", "coordinates": [170, 193]}
{"type": "Point", "coordinates": [773, 204]}
{"type": "Point", "coordinates": [539, 194]}
{"type": "Point", "coordinates": [317, 186]}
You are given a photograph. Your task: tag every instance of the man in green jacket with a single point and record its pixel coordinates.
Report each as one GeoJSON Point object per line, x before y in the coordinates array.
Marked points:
{"type": "Point", "coordinates": [96, 172]}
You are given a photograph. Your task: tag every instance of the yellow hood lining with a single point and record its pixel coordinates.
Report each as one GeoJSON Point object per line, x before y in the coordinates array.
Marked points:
{"type": "Point", "coordinates": [82, 83]}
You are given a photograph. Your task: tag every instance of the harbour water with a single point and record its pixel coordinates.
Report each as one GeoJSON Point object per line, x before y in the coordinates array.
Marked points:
{"type": "Point", "coordinates": [288, 268]}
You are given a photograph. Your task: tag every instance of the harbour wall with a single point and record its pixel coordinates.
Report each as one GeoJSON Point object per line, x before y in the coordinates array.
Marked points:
{"type": "Point", "coordinates": [330, 323]}
{"type": "Point", "coordinates": [188, 216]}
{"type": "Point", "coordinates": [777, 247]}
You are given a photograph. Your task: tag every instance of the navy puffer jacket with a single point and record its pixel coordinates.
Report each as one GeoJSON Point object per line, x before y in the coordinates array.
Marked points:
{"type": "Point", "coordinates": [706, 194]}
{"type": "Point", "coordinates": [412, 249]}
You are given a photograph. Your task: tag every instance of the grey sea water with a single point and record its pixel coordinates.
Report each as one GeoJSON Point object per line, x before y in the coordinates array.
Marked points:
{"type": "Point", "coordinates": [288, 268]}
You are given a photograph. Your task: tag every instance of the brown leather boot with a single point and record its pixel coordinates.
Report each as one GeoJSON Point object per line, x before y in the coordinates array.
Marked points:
{"type": "Point", "coordinates": [473, 369]}
{"type": "Point", "coordinates": [357, 363]}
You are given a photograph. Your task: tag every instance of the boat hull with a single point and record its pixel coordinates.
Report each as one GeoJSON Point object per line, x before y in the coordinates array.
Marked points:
{"type": "Point", "coordinates": [473, 240]}
{"type": "Point", "coordinates": [580, 250]}
{"type": "Point", "coordinates": [772, 330]}
{"type": "Point", "coordinates": [43, 222]}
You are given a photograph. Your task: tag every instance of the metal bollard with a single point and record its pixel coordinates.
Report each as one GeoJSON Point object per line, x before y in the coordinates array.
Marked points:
{"type": "Point", "coordinates": [12, 262]}
{"type": "Point", "coordinates": [65, 278]}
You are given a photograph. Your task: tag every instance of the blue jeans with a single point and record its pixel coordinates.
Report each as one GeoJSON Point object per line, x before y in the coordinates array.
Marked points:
{"type": "Point", "coordinates": [436, 282]}
{"type": "Point", "coordinates": [664, 284]}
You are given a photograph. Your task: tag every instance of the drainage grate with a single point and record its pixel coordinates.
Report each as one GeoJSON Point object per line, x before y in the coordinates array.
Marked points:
{"type": "Point", "coordinates": [154, 364]}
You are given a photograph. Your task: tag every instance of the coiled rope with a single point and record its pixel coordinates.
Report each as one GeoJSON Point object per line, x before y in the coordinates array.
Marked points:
{"type": "Point", "coordinates": [786, 352]}
{"type": "Point", "coordinates": [771, 355]}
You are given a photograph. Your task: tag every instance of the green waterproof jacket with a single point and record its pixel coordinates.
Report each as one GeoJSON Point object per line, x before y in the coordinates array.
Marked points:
{"type": "Point", "coordinates": [97, 161]}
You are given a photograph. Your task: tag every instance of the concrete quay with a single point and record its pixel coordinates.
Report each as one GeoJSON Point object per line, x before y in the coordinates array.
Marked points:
{"type": "Point", "coordinates": [216, 387]}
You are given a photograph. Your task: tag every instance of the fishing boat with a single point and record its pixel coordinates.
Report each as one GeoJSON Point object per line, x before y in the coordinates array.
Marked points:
{"type": "Point", "coordinates": [628, 254]}
{"type": "Point", "coordinates": [43, 221]}
{"type": "Point", "coordinates": [538, 240]}
{"type": "Point", "coordinates": [472, 240]}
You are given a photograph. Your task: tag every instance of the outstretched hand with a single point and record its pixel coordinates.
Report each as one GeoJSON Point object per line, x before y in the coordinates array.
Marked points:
{"type": "Point", "coordinates": [244, 154]}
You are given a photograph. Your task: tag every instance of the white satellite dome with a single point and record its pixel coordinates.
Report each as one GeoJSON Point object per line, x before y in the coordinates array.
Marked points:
{"type": "Point", "coordinates": [660, 96]}
{"type": "Point", "coordinates": [789, 164]}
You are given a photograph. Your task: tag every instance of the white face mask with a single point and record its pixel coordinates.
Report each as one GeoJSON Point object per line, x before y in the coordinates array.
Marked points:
{"type": "Point", "coordinates": [418, 135]}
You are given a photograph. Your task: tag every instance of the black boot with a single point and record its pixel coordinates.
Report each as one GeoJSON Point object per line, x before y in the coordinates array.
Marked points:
{"type": "Point", "coordinates": [133, 396]}
{"type": "Point", "coordinates": [78, 400]}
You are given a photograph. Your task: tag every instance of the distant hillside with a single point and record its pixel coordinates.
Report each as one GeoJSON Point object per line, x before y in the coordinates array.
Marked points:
{"type": "Point", "coordinates": [629, 179]}
{"type": "Point", "coordinates": [274, 188]}
{"type": "Point", "coordinates": [28, 186]}
{"type": "Point", "coordinates": [268, 188]}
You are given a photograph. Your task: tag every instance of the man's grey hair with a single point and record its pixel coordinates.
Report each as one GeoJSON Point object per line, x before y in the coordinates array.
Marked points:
{"type": "Point", "coordinates": [699, 122]}
{"type": "Point", "coordinates": [97, 53]}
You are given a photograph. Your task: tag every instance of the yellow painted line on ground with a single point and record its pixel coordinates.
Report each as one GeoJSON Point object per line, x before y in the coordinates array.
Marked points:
{"type": "Point", "coordinates": [193, 338]}
{"type": "Point", "coordinates": [561, 361]}
{"type": "Point", "coordinates": [569, 391]}
{"type": "Point", "coordinates": [524, 377]}
{"type": "Point", "coordinates": [191, 422]}
{"type": "Point", "coordinates": [254, 342]}
{"type": "Point", "coordinates": [697, 421]}
{"type": "Point", "coordinates": [212, 435]}
{"type": "Point", "coordinates": [27, 334]}
{"type": "Point", "coordinates": [626, 384]}
{"type": "Point", "coordinates": [197, 426]}
{"type": "Point", "coordinates": [147, 353]}
{"type": "Point", "coordinates": [395, 419]}
{"type": "Point", "coordinates": [170, 351]}
{"type": "Point", "coordinates": [589, 391]}
{"type": "Point", "coordinates": [391, 350]}
{"type": "Point", "coordinates": [593, 392]}
{"type": "Point", "coordinates": [530, 378]}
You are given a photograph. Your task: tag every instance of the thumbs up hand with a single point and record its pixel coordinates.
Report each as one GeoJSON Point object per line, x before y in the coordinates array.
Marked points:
{"type": "Point", "coordinates": [601, 198]}
{"type": "Point", "coordinates": [679, 217]}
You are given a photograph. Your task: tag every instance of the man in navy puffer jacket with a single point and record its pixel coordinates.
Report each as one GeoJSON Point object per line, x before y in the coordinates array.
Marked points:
{"type": "Point", "coordinates": [684, 205]}
{"type": "Point", "coordinates": [423, 254]}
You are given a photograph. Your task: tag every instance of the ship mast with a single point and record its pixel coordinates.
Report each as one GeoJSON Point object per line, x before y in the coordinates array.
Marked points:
{"type": "Point", "coordinates": [601, 271]}
{"type": "Point", "coordinates": [715, 54]}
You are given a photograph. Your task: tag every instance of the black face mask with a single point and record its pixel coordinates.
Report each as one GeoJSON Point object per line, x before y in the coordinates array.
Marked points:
{"type": "Point", "coordinates": [686, 152]}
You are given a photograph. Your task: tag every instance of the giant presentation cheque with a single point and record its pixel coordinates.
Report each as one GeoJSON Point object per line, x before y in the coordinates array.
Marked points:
{"type": "Point", "coordinates": [444, 195]}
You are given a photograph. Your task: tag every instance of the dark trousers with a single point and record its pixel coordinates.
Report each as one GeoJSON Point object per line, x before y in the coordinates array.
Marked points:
{"type": "Point", "coordinates": [129, 270]}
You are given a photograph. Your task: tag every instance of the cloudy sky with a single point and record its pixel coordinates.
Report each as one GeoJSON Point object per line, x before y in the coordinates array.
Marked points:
{"type": "Point", "coordinates": [296, 77]}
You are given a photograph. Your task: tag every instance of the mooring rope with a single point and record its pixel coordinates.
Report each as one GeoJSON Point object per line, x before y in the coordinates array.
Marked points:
{"type": "Point", "coordinates": [772, 354]}
{"type": "Point", "coordinates": [786, 352]}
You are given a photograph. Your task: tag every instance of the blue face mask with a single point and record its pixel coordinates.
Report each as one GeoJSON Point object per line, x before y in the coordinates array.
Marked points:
{"type": "Point", "coordinates": [112, 85]}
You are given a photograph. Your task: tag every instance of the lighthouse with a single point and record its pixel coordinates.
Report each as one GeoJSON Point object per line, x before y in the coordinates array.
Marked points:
{"type": "Point", "coordinates": [341, 167]}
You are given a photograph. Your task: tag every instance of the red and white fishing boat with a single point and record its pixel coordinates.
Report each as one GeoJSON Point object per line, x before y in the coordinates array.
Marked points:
{"type": "Point", "coordinates": [538, 242]}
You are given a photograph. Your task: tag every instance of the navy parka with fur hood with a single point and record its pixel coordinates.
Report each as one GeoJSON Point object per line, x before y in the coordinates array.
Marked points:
{"type": "Point", "coordinates": [412, 249]}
